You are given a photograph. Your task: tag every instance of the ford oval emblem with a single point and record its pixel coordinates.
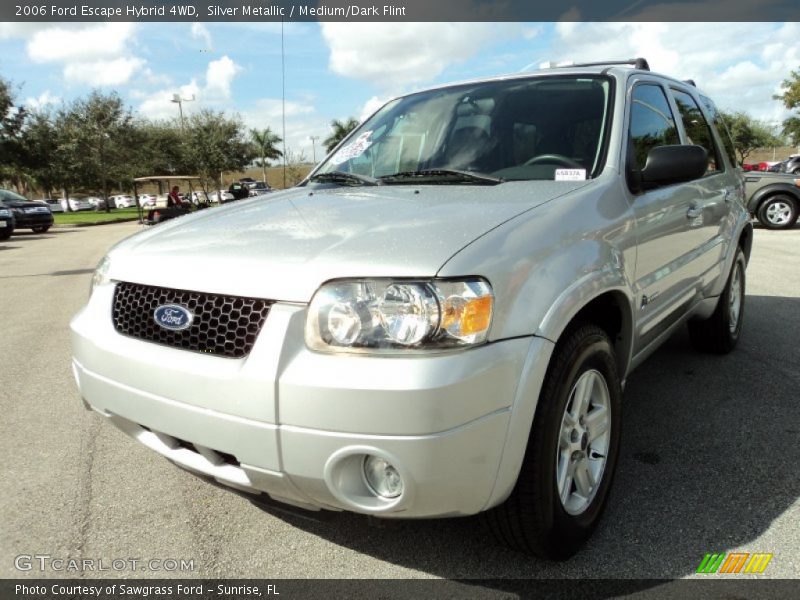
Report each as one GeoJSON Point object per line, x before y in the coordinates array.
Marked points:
{"type": "Point", "coordinates": [173, 317]}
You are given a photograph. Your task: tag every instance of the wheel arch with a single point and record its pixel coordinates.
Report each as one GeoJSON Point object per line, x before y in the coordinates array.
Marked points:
{"type": "Point", "coordinates": [771, 190]}
{"type": "Point", "coordinates": [610, 309]}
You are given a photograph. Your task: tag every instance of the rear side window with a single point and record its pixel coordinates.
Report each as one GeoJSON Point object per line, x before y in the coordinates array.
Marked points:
{"type": "Point", "coordinates": [697, 129]}
{"type": "Point", "coordinates": [722, 130]}
{"type": "Point", "coordinates": [652, 123]}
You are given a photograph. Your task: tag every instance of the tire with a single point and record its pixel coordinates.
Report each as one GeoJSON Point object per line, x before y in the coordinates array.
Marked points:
{"type": "Point", "coordinates": [721, 331]}
{"type": "Point", "coordinates": [42, 229]}
{"type": "Point", "coordinates": [5, 233]}
{"type": "Point", "coordinates": [778, 212]}
{"type": "Point", "coordinates": [534, 518]}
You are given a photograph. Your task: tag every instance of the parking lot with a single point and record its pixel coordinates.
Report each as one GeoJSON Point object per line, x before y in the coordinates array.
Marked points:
{"type": "Point", "coordinates": [709, 459]}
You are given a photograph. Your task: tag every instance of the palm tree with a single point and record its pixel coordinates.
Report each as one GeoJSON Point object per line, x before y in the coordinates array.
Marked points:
{"type": "Point", "coordinates": [340, 131]}
{"type": "Point", "coordinates": [265, 141]}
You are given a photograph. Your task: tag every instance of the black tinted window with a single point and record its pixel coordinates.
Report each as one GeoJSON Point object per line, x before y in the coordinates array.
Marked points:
{"type": "Point", "coordinates": [697, 130]}
{"type": "Point", "coordinates": [652, 123]}
{"type": "Point", "coordinates": [722, 130]}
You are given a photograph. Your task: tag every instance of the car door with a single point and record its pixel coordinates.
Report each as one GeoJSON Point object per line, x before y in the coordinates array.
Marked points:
{"type": "Point", "coordinates": [714, 193]}
{"type": "Point", "coordinates": [666, 219]}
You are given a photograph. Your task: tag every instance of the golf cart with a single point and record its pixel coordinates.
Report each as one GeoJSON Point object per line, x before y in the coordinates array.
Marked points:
{"type": "Point", "coordinates": [164, 209]}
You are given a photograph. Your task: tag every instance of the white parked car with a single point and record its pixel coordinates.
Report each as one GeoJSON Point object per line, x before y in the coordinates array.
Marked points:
{"type": "Point", "coordinates": [52, 203]}
{"type": "Point", "coordinates": [122, 201]}
{"type": "Point", "coordinates": [96, 202]}
{"type": "Point", "coordinates": [197, 197]}
{"type": "Point", "coordinates": [76, 204]}
{"type": "Point", "coordinates": [147, 199]}
{"type": "Point", "coordinates": [222, 196]}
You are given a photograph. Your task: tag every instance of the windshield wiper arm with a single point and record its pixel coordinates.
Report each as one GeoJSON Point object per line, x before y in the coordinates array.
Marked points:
{"type": "Point", "coordinates": [344, 178]}
{"type": "Point", "coordinates": [442, 176]}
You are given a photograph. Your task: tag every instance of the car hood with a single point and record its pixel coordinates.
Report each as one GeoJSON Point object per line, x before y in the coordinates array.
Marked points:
{"type": "Point", "coordinates": [284, 246]}
{"type": "Point", "coordinates": [21, 204]}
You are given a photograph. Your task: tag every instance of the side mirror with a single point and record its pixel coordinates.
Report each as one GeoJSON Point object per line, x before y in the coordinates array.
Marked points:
{"type": "Point", "coordinates": [666, 165]}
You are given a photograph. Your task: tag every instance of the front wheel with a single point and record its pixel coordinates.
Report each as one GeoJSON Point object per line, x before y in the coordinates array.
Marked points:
{"type": "Point", "coordinates": [778, 212]}
{"type": "Point", "coordinates": [721, 331]}
{"type": "Point", "coordinates": [571, 454]}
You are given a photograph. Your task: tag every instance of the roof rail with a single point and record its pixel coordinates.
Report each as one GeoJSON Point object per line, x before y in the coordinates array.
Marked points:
{"type": "Point", "coordinates": [636, 63]}
{"type": "Point", "coordinates": [690, 82]}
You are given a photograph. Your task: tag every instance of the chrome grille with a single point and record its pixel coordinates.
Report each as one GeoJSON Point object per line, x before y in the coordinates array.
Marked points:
{"type": "Point", "coordinates": [222, 325]}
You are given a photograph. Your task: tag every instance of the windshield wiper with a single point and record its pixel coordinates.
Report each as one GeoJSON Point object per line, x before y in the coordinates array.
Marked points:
{"type": "Point", "coordinates": [343, 178]}
{"type": "Point", "coordinates": [441, 176]}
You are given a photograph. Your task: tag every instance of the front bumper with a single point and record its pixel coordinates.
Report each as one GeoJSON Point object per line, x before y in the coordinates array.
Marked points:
{"type": "Point", "coordinates": [296, 424]}
{"type": "Point", "coordinates": [30, 220]}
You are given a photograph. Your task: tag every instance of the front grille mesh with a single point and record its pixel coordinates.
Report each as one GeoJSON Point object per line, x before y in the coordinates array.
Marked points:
{"type": "Point", "coordinates": [223, 325]}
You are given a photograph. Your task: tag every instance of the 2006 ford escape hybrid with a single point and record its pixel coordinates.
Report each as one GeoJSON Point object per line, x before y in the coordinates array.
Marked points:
{"type": "Point", "coordinates": [439, 321]}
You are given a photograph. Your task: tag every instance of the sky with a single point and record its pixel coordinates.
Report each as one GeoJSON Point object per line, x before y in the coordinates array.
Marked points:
{"type": "Point", "coordinates": [338, 70]}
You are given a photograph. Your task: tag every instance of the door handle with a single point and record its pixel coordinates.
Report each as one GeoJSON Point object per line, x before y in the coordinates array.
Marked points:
{"type": "Point", "coordinates": [694, 212]}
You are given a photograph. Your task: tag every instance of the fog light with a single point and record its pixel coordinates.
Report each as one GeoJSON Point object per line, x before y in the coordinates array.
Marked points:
{"type": "Point", "coordinates": [382, 478]}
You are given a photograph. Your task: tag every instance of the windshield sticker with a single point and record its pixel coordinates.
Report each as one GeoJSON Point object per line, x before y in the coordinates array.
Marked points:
{"type": "Point", "coordinates": [570, 174]}
{"type": "Point", "coordinates": [353, 149]}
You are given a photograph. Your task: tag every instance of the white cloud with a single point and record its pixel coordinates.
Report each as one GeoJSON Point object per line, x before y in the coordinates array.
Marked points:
{"type": "Point", "coordinates": [740, 65]}
{"type": "Point", "coordinates": [214, 91]}
{"type": "Point", "coordinates": [268, 111]}
{"type": "Point", "coordinates": [302, 121]}
{"type": "Point", "coordinates": [370, 106]}
{"type": "Point", "coordinates": [43, 100]}
{"type": "Point", "coordinates": [97, 54]}
{"type": "Point", "coordinates": [201, 32]}
{"type": "Point", "coordinates": [159, 105]}
{"type": "Point", "coordinates": [398, 56]}
{"type": "Point", "coordinates": [219, 77]}
{"type": "Point", "coordinates": [61, 44]}
{"type": "Point", "coordinates": [103, 72]}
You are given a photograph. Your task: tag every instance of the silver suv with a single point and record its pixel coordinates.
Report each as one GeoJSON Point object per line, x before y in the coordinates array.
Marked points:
{"type": "Point", "coordinates": [439, 321]}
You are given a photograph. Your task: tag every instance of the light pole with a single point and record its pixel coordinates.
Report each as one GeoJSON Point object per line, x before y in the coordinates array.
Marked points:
{"type": "Point", "coordinates": [176, 98]}
{"type": "Point", "coordinates": [313, 139]}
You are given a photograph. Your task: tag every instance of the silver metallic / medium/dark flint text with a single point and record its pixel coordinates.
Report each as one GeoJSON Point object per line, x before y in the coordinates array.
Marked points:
{"type": "Point", "coordinates": [46, 562]}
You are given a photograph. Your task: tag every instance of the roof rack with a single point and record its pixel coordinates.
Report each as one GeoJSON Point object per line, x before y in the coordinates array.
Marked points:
{"type": "Point", "coordinates": [636, 63]}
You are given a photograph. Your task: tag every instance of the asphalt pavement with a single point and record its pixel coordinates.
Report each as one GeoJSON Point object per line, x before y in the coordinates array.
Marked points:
{"type": "Point", "coordinates": [709, 459]}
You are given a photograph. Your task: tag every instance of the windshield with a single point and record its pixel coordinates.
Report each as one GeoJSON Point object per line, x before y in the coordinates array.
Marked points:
{"type": "Point", "coordinates": [10, 196]}
{"type": "Point", "coordinates": [511, 130]}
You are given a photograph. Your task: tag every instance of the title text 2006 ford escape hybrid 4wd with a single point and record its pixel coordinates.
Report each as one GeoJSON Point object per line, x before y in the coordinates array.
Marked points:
{"type": "Point", "coordinates": [439, 321]}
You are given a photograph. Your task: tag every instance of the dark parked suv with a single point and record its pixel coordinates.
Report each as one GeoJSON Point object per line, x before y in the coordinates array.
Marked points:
{"type": "Point", "coordinates": [6, 223]}
{"type": "Point", "coordinates": [27, 214]}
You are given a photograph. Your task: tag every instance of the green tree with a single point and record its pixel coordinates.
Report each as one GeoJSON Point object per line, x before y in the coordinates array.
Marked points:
{"type": "Point", "coordinates": [160, 148]}
{"type": "Point", "coordinates": [339, 131]}
{"type": "Point", "coordinates": [65, 164]}
{"type": "Point", "coordinates": [748, 134]}
{"type": "Point", "coordinates": [791, 129]}
{"type": "Point", "coordinates": [12, 121]}
{"type": "Point", "coordinates": [39, 146]}
{"type": "Point", "coordinates": [216, 143]}
{"type": "Point", "coordinates": [790, 96]}
{"type": "Point", "coordinates": [104, 140]}
{"type": "Point", "coordinates": [266, 145]}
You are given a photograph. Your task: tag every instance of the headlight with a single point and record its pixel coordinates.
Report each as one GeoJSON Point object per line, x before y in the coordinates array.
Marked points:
{"type": "Point", "coordinates": [384, 315]}
{"type": "Point", "coordinates": [4, 212]}
{"type": "Point", "coordinates": [101, 273]}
